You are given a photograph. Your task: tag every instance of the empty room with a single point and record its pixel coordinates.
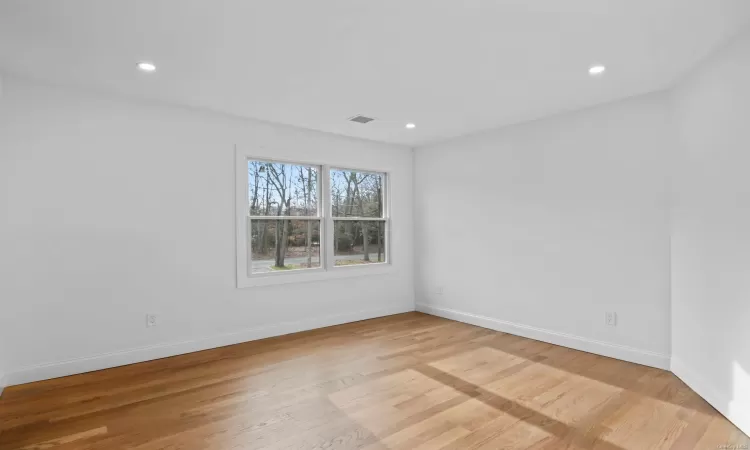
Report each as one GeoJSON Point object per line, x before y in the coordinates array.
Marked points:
{"type": "Point", "coordinates": [384, 225]}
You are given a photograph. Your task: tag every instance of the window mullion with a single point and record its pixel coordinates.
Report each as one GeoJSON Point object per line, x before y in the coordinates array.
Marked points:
{"type": "Point", "coordinates": [361, 219]}
{"type": "Point", "coordinates": [285, 218]}
{"type": "Point", "coordinates": [326, 211]}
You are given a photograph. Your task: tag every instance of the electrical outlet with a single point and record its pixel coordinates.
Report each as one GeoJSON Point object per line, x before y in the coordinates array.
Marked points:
{"type": "Point", "coordinates": [152, 320]}
{"type": "Point", "coordinates": [610, 319]}
{"type": "Point", "coordinates": [439, 290]}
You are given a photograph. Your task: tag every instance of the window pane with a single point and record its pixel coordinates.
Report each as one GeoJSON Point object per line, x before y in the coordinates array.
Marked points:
{"type": "Point", "coordinates": [358, 242]}
{"type": "Point", "coordinates": [356, 194]}
{"type": "Point", "coordinates": [283, 245]}
{"type": "Point", "coordinates": [279, 189]}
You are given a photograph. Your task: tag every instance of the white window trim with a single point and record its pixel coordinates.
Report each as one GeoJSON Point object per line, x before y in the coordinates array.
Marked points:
{"type": "Point", "coordinates": [325, 214]}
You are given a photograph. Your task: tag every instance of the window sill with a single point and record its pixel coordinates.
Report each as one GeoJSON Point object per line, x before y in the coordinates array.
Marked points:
{"type": "Point", "coordinates": [315, 275]}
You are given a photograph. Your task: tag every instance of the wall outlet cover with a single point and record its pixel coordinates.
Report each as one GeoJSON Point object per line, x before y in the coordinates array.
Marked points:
{"type": "Point", "coordinates": [152, 320]}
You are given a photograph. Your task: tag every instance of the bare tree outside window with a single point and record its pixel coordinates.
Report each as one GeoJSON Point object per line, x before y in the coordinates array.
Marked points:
{"type": "Point", "coordinates": [277, 191]}
{"type": "Point", "coordinates": [285, 224]}
{"type": "Point", "coordinates": [358, 217]}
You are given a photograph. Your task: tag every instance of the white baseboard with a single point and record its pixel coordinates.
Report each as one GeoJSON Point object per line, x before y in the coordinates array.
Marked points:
{"type": "Point", "coordinates": [121, 358]}
{"type": "Point", "coordinates": [638, 356]}
{"type": "Point", "coordinates": [738, 414]}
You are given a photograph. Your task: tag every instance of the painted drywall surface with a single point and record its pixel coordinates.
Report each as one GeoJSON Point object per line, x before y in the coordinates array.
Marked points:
{"type": "Point", "coordinates": [711, 231]}
{"type": "Point", "coordinates": [552, 223]}
{"type": "Point", "coordinates": [3, 344]}
{"type": "Point", "coordinates": [2, 379]}
{"type": "Point", "coordinates": [112, 209]}
{"type": "Point", "coordinates": [2, 358]}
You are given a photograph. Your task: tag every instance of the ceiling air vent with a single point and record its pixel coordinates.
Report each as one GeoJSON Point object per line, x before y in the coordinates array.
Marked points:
{"type": "Point", "coordinates": [361, 119]}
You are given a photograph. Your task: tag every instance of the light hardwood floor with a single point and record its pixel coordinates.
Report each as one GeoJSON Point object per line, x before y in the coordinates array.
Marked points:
{"type": "Point", "coordinates": [410, 381]}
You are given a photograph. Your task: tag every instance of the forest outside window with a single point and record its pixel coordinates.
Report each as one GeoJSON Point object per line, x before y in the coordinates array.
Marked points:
{"type": "Point", "coordinates": [284, 220]}
{"type": "Point", "coordinates": [359, 224]}
{"type": "Point", "coordinates": [299, 221]}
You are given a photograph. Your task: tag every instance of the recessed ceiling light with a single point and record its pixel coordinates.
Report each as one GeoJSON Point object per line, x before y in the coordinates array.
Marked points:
{"type": "Point", "coordinates": [410, 126]}
{"type": "Point", "coordinates": [146, 66]}
{"type": "Point", "coordinates": [597, 70]}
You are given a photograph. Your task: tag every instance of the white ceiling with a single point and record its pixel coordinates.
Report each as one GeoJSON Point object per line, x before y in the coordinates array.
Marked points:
{"type": "Point", "coordinates": [450, 66]}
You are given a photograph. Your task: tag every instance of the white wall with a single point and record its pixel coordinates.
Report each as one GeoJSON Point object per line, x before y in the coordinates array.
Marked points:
{"type": "Point", "coordinates": [2, 377]}
{"type": "Point", "coordinates": [112, 209]}
{"type": "Point", "coordinates": [542, 227]}
{"type": "Point", "coordinates": [711, 232]}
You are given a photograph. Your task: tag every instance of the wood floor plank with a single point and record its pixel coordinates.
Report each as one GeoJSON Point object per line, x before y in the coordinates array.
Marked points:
{"type": "Point", "coordinates": [409, 381]}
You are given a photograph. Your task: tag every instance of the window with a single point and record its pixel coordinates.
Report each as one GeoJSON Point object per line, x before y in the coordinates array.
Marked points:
{"type": "Point", "coordinates": [283, 224]}
{"type": "Point", "coordinates": [357, 200]}
{"type": "Point", "coordinates": [298, 221]}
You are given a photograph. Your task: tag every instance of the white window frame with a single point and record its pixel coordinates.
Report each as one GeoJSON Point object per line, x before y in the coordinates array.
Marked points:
{"type": "Point", "coordinates": [327, 269]}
